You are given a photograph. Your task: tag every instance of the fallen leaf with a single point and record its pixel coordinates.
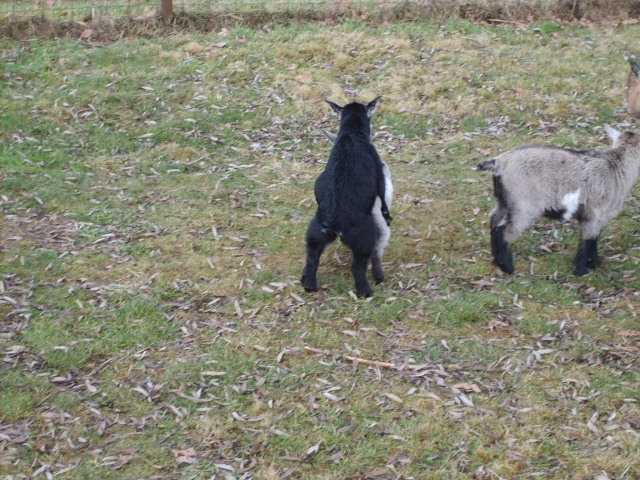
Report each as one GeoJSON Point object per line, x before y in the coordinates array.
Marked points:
{"type": "Point", "coordinates": [393, 397]}
{"type": "Point", "coordinates": [311, 450]}
{"type": "Point", "coordinates": [626, 348]}
{"type": "Point", "coordinates": [190, 452]}
{"type": "Point", "coordinates": [466, 387]}
{"type": "Point", "coordinates": [466, 401]}
{"type": "Point", "coordinates": [336, 457]}
{"type": "Point", "coordinates": [90, 387]}
{"type": "Point", "coordinates": [629, 333]}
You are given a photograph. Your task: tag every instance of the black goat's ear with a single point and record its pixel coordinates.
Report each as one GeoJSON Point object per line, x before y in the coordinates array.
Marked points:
{"type": "Point", "coordinates": [336, 108]}
{"type": "Point", "coordinates": [635, 68]}
{"type": "Point", "coordinates": [371, 106]}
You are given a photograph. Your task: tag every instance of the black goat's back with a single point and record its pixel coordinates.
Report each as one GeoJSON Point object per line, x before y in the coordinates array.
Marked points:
{"type": "Point", "coordinates": [347, 189]}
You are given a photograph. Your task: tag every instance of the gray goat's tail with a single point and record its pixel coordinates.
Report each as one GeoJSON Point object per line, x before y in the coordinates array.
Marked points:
{"type": "Point", "coordinates": [486, 165]}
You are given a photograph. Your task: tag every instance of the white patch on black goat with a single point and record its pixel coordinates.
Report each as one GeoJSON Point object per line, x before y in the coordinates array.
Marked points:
{"type": "Point", "coordinates": [353, 200]}
{"type": "Point", "coordinates": [591, 187]}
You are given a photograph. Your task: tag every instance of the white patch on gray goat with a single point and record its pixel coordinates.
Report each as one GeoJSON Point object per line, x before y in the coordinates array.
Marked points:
{"type": "Point", "coordinates": [570, 202]}
{"type": "Point", "coordinates": [383, 229]}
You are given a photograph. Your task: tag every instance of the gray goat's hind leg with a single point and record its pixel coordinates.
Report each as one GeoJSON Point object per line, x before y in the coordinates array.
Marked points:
{"type": "Point", "coordinates": [501, 249]}
{"type": "Point", "coordinates": [376, 268]}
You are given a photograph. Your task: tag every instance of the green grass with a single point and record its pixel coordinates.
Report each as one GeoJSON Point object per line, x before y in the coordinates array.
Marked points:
{"type": "Point", "coordinates": [155, 195]}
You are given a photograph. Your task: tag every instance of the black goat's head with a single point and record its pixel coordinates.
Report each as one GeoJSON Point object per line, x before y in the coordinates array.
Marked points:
{"type": "Point", "coordinates": [370, 107]}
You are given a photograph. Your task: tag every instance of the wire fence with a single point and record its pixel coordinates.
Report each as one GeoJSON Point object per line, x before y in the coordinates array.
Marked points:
{"type": "Point", "coordinates": [68, 11]}
{"type": "Point", "coordinates": [101, 9]}
{"type": "Point", "coordinates": [100, 21]}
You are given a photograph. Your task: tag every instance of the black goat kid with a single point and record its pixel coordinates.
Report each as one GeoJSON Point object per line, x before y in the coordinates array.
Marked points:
{"type": "Point", "coordinates": [353, 197]}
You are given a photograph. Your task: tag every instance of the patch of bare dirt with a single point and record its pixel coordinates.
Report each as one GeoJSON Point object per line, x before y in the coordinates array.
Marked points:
{"type": "Point", "coordinates": [49, 231]}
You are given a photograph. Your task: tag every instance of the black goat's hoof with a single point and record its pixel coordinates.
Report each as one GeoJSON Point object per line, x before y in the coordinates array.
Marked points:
{"type": "Point", "coordinates": [309, 287]}
{"type": "Point", "coordinates": [365, 293]}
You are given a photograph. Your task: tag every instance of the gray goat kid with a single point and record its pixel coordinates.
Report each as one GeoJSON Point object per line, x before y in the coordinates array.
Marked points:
{"type": "Point", "coordinates": [633, 90]}
{"type": "Point", "coordinates": [532, 181]}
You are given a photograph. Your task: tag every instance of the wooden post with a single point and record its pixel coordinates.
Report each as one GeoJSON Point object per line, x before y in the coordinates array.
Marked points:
{"type": "Point", "coordinates": [166, 10]}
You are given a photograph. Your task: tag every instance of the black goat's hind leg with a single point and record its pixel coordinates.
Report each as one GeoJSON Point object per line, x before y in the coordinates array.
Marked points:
{"type": "Point", "coordinates": [362, 242]}
{"type": "Point", "coordinates": [317, 239]}
{"type": "Point", "coordinates": [359, 271]}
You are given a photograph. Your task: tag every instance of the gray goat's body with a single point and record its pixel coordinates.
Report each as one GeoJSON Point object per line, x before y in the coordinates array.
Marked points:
{"type": "Point", "coordinates": [533, 181]}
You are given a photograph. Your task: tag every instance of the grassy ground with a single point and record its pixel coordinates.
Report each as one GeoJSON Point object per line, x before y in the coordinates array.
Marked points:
{"type": "Point", "coordinates": [155, 195]}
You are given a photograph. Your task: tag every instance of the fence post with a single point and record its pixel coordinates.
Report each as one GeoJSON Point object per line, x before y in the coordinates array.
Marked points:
{"type": "Point", "coordinates": [166, 10]}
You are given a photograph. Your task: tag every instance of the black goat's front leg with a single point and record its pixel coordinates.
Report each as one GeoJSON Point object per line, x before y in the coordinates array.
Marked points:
{"type": "Point", "coordinates": [317, 239]}
{"type": "Point", "coordinates": [587, 256]}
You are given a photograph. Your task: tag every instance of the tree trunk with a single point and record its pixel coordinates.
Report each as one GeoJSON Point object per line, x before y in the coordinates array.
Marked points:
{"type": "Point", "coordinates": [167, 10]}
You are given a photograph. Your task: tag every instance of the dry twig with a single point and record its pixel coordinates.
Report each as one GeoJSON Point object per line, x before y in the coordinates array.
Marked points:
{"type": "Point", "coordinates": [366, 361]}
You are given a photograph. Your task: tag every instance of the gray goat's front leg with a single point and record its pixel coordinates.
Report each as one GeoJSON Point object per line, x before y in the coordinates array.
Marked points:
{"type": "Point", "coordinates": [500, 248]}
{"type": "Point", "coordinates": [587, 256]}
